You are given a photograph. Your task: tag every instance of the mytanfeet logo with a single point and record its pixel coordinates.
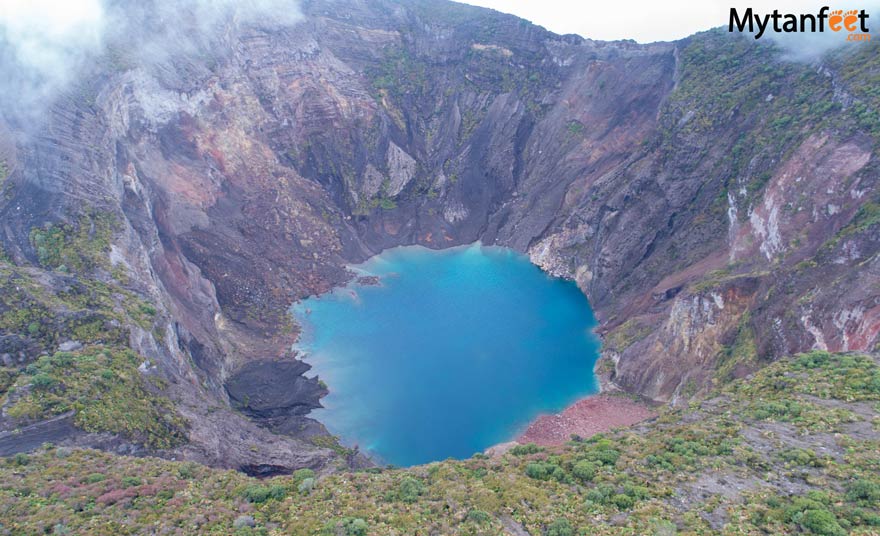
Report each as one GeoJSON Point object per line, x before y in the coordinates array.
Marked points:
{"type": "Point", "coordinates": [853, 22]}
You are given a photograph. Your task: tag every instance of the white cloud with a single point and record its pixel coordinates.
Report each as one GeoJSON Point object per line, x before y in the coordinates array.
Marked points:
{"type": "Point", "coordinates": [55, 20]}
{"type": "Point", "coordinates": [45, 43]}
{"type": "Point", "coordinates": [652, 20]}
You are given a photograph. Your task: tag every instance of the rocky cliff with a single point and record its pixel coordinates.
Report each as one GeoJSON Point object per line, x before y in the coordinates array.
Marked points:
{"type": "Point", "coordinates": [716, 202]}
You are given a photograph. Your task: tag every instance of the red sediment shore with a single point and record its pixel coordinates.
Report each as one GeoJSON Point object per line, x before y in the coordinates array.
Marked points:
{"type": "Point", "coordinates": [586, 417]}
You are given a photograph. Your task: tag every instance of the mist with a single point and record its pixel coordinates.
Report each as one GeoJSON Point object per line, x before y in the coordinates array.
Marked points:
{"type": "Point", "coordinates": [810, 47]}
{"type": "Point", "coordinates": [813, 46]}
{"type": "Point", "coordinates": [41, 45]}
{"type": "Point", "coordinates": [48, 47]}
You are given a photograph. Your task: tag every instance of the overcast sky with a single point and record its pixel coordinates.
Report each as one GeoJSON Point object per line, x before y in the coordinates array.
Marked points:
{"type": "Point", "coordinates": [642, 20]}
{"type": "Point", "coordinates": [646, 20]}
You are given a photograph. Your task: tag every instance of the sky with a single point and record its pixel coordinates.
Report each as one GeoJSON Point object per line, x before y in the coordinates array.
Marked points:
{"type": "Point", "coordinates": [642, 20]}
{"type": "Point", "coordinates": [646, 20]}
{"type": "Point", "coordinates": [43, 42]}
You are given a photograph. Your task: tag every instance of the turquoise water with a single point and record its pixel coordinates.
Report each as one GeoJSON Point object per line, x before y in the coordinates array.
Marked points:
{"type": "Point", "coordinates": [454, 351]}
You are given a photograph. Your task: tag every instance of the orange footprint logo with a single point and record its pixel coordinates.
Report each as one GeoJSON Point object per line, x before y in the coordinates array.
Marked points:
{"type": "Point", "coordinates": [849, 20]}
{"type": "Point", "coordinates": [835, 20]}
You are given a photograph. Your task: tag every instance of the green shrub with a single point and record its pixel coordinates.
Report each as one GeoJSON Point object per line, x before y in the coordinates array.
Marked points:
{"type": "Point", "coordinates": [187, 470]}
{"type": "Point", "coordinates": [21, 459]}
{"type": "Point", "coordinates": [546, 471]}
{"type": "Point", "coordinates": [528, 448]}
{"type": "Point", "coordinates": [820, 522]}
{"type": "Point", "coordinates": [410, 489]}
{"type": "Point", "coordinates": [661, 461]}
{"type": "Point", "coordinates": [662, 527]}
{"type": "Point", "coordinates": [638, 493]}
{"type": "Point", "coordinates": [560, 527]}
{"type": "Point", "coordinates": [801, 504]}
{"type": "Point", "coordinates": [874, 385]}
{"type": "Point", "coordinates": [478, 516]}
{"type": "Point", "coordinates": [601, 494]}
{"type": "Point", "coordinates": [306, 486]}
{"type": "Point", "coordinates": [812, 360]}
{"type": "Point", "coordinates": [537, 470]}
{"type": "Point", "coordinates": [819, 496]}
{"type": "Point", "coordinates": [864, 492]}
{"type": "Point", "coordinates": [600, 453]}
{"type": "Point", "coordinates": [803, 457]}
{"type": "Point", "coordinates": [302, 474]}
{"type": "Point", "coordinates": [261, 494]}
{"type": "Point", "coordinates": [858, 516]}
{"type": "Point", "coordinates": [784, 410]}
{"type": "Point", "coordinates": [131, 481]}
{"type": "Point", "coordinates": [43, 381]}
{"type": "Point", "coordinates": [257, 494]}
{"type": "Point", "coordinates": [624, 502]}
{"type": "Point", "coordinates": [349, 526]}
{"type": "Point", "coordinates": [94, 478]}
{"type": "Point", "coordinates": [584, 471]}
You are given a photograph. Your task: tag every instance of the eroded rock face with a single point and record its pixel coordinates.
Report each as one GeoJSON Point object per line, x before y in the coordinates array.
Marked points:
{"type": "Point", "coordinates": [247, 174]}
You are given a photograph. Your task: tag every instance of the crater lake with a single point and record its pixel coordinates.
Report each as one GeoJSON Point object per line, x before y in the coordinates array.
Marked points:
{"type": "Point", "coordinates": [447, 352]}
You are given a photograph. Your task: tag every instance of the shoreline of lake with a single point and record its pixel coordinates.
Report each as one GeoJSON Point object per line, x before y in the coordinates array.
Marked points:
{"type": "Point", "coordinates": [338, 329]}
{"type": "Point", "coordinates": [587, 417]}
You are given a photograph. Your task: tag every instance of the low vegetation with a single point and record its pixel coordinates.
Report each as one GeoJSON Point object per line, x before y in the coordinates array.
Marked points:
{"type": "Point", "coordinates": [795, 449]}
{"type": "Point", "coordinates": [104, 389]}
{"type": "Point", "coordinates": [75, 247]}
{"type": "Point", "coordinates": [90, 313]}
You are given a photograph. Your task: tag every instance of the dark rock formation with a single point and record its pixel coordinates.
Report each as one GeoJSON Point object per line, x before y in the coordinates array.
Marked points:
{"type": "Point", "coordinates": [266, 389]}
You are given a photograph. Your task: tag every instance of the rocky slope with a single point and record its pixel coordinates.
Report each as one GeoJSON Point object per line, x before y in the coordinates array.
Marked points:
{"type": "Point", "coordinates": [717, 203]}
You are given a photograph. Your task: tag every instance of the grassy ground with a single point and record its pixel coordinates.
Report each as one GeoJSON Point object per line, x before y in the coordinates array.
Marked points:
{"type": "Point", "coordinates": [104, 388]}
{"type": "Point", "coordinates": [793, 449]}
